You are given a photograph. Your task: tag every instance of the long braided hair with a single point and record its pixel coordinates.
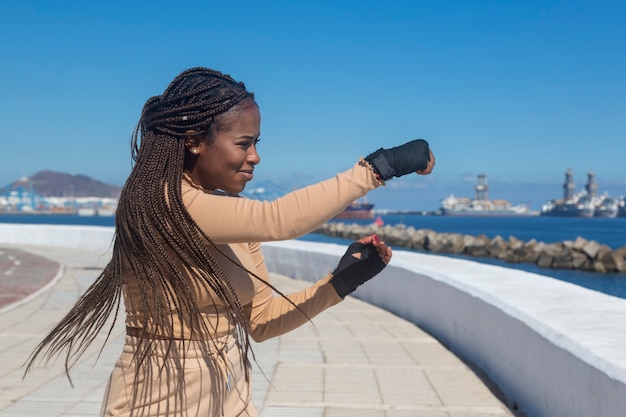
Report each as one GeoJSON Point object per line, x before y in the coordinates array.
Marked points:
{"type": "Point", "coordinates": [156, 240]}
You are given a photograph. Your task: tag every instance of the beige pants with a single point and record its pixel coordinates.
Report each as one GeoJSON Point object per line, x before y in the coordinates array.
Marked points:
{"type": "Point", "coordinates": [160, 389]}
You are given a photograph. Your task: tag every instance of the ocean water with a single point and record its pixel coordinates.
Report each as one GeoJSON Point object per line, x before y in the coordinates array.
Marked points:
{"type": "Point", "coordinates": [71, 219]}
{"type": "Point", "coordinates": [611, 232]}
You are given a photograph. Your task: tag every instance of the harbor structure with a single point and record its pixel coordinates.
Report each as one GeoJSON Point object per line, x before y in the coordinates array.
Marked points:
{"type": "Point", "coordinates": [584, 203]}
{"type": "Point", "coordinates": [621, 207]}
{"type": "Point", "coordinates": [481, 205]}
{"type": "Point", "coordinates": [26, 201]}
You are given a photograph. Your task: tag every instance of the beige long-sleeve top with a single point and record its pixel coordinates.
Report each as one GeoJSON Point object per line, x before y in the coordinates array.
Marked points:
{"type": "Point", "coordinates": [237, 225]}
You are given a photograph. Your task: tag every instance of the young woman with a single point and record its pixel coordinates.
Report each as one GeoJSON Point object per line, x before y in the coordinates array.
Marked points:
{"type": "Point", "coordinates": [187, 261]}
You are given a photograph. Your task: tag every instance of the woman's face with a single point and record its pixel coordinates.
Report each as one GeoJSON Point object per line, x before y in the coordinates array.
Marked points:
{"type": "Point", "coordinates": [227, 161]}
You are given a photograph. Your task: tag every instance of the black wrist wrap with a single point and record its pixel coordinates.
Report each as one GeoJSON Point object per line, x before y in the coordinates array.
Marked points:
{"type": "Point", "coordinates": [401, 160]}
{"type": "Point", "coordinates": [352, 272]}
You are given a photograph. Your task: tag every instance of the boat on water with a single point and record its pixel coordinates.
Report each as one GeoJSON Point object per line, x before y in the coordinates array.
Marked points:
{"type": "Point", "coordinates": [357, 210]}
{"type": "Point", "coordinates": [575, 207]}
{"type": "Point", "coordinates": [86, 211]}
{"type": "Point", "coordinates": [621, 210]}
{"type": "Point", "coordinates": [456, 206]}
{"type": "Point", "coordinates": [607, 207]}
{"type": "Point", "coordinates": [106, 211]}
{"type": "Point", "coordinates": [481, 205]}
{"type": "Point", "coordinates": [585, 203]}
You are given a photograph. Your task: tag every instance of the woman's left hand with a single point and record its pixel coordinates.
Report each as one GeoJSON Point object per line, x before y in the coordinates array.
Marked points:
{"type": "Point", "coordinates": [363, 260]}
{"type": "Point", "coordinates": [383, 250]}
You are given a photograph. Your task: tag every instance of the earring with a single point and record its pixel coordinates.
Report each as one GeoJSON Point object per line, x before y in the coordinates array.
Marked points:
{"type": "Point", "coordinates": [194, 151]}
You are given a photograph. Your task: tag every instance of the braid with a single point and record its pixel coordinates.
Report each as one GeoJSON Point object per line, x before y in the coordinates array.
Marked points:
{"type": "Point", "coordinates": [191, 101]}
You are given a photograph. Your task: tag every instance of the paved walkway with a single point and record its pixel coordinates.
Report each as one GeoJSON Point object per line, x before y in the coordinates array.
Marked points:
{"type": "Point", "coordinates": [358, 360]}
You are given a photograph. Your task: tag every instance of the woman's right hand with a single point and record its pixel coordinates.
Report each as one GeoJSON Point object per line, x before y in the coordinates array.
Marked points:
{"type": "Point", "coordinates": [429, 168]}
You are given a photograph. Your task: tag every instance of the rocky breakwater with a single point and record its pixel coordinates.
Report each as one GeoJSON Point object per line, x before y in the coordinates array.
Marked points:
{"type": "Point", "coordinates": [579, 254]}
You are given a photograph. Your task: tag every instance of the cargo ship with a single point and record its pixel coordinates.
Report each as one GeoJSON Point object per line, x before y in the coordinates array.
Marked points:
{"type": "Point", "coordinates": [357, 210]}
{"type": "Point", "coordinates": [578, 206]}
{"type": "Point", "coordinates": [621, 209]}
{"type": "Point", "coordinates": [481, 205]}
{"type": "Point", "coordinates": [585, 203]}
{"type": "Point", "coordinates": [455, 206]}
{"type": "Point", "coordinates": [607, 207]}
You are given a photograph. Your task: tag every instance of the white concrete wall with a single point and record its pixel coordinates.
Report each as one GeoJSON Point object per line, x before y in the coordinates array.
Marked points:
{"type": "Point", "coordinates": [75, 237]}
{"type": "Point", "coordinates": [555, 349]}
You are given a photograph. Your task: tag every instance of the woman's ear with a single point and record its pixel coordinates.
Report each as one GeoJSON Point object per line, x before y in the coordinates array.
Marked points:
{"type": "Point", "coordinates": [193, 141]}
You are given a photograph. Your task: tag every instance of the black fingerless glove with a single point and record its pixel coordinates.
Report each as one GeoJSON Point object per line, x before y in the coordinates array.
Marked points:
{"type": "Point", "coordinates": [352, 272]}
{"type": "Point", "coordinates": [401, 160]}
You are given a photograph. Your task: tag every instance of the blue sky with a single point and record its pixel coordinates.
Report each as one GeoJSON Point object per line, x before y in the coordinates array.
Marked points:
{"type": "Point", "coordinates": [517, 90]}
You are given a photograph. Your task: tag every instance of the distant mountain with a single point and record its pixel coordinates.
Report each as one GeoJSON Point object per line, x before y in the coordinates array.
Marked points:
{"type": "Point", "coordinates": [58, 184]}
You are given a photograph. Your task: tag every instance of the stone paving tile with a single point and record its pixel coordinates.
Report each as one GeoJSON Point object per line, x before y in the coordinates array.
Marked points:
{"type": "Point", "coordinates": [303, 378]}
{"type": "Point", "coordinates": [460, 387]}
{"type": "Point", "coordinates": [416, 413]}
{"type": "Point", "coordinates": [293, 412]}
{"type": "Point", "coordinates": [346, 412]}
{"type": "Point", "coordinates": [432, 354]}
{"type": "Point", "coordinates": [386, 352]}
{"type": "Point", "coordinates": [407, 386]}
